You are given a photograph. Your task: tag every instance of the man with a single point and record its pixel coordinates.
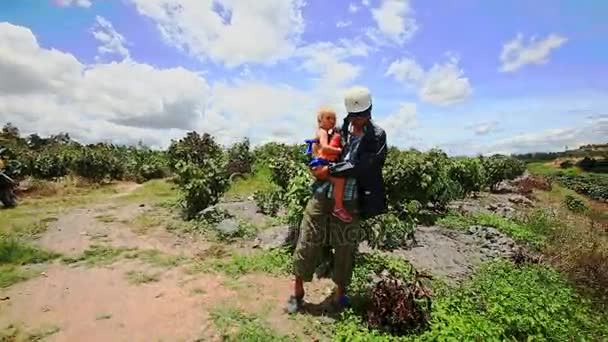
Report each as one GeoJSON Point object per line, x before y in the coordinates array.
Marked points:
{"type": "Point", "coordinates": [361, 164]}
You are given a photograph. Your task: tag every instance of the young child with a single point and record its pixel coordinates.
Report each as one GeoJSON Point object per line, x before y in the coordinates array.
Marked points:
{"type": "Point", "coordinates": [328, 149]}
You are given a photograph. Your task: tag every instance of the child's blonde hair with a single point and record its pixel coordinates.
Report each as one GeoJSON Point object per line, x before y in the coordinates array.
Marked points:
{"type": "Point", "coordinates": [323, 111]}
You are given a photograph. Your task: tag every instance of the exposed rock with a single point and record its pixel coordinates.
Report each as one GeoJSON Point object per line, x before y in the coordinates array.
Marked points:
{"type": "Point", "coordinates": [228, 227]}
{"type": "Point", "coordinates": [274, 237]}
{"type": "Point", "coordinates": [519, 199]}
{"type": "Point", "coordinates": [505, 187]}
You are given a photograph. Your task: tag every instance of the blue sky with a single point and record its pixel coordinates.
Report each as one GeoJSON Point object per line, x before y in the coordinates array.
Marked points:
{"type": "Point", "coordinates": [468, 76]}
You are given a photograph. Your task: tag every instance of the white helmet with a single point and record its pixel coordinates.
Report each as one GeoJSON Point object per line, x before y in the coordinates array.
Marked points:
{"type": "Point", "coordinates": [357, 99]}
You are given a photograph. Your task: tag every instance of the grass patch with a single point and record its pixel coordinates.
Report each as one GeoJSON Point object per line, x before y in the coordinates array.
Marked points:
{"type": "Point", "coordinates": [97, 255]}
{"type": "Point", "coordinates": [15, 253]}
{"type": "Point", "coordinates": [105, 218]}
{"type": "Point", "coordinates": [144, 222]}
{"type": "Point", "coordinates": [275, 262]}
{"type": "Point", "coordinates": [157, 258]}
{"type": "Point", "coordinates": [236, 325]}
{"type": "Point", "coordinates": [11, 274]}
{"type": "Point", "coordinates": [140, 277]}
{"type": "Point", "coordinates": [533, 229]}
{"type": "Point", "coordinates": [14, 333]}
{"type": "Point", "coordinates": [154, 191]}
{"type": "Point", "coordinates": [261, 179]}
{"type": "Point", "coordinates": [500, 302]}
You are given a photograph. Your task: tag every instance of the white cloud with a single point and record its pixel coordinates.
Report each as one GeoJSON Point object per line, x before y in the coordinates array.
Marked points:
{"type": "Point", "coordinates": [328, 60]}
{"type": "Point", "coordinates": [484, 128]}
{"type": "Point", "coordinates": [399, 125]}
{"type": "Point", "coordinates": [245, 31]}
{"type": "Point", "coordinates": [341, 24]}
{"type": "Point", "coordinates": [111, 41]}
{"type": "Point", "coordinates": [394, 19]}
{"type": "Point", "coordinates": [443, 84]}
{"type": "Point", "coordinates": [51, 91]}
{"type": "Point", "coordinates": [260, 111]}
{"type": "Point", "coordinates": [125, 102]}
{"type": "Point", "coordinates": [405, 70]}
{"type": "Point", "coordinates": [515, 53]}
{"type": "Point", "coordinates": [365, 3]}
{"type": "Point", "coordinates": [353, 8]}
{"type": "Point", "coordinates": [79, 3]}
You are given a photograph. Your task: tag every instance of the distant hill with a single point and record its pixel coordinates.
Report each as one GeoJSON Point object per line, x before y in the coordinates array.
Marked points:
{"type": "Point", "coordinates": [591, 151]}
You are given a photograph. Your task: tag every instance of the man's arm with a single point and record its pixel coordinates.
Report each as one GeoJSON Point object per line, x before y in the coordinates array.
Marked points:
{"type": "Point", "coordinates": [366, 161]}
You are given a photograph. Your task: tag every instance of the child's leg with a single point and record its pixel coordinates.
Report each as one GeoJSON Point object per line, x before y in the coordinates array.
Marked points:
{"type": "Point", "coordinates": [338, 191]}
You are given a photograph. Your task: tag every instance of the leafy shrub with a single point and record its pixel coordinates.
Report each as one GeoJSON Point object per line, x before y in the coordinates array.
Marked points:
{"type": "Point", "coordinates": [143, 164]}
{"type": "Point", "coordinates": [469, 173]}
{"type": "Point", "coordinates": [269, 201]}
{"type": "Point", "coordinates": [201, 184]}
{"type": "Point", "coordinates": [97, 163]}
{"type": "Point", "coordinates": [422, 177]}
{"type": "Point", "coordinates": [283, 170]}
{"type": "Point", "coordinates": [50, 163]}
{"type": "Point", "coordinates": [263, 154]}
{"type": "Point", "coordinates": [240, 159]}
{"type": "Point", "coordinates": [575, 204]}
{"type": "Point", "coordinates": [499, 168]}
{"type": "Point", "coordinates": [193, 148]}
{"type": "Point", "coordinates": [392, 229]}
{"type": "Point", "coordinates": [297, 195]}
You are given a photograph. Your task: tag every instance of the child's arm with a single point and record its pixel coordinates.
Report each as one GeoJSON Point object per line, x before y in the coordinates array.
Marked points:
{"type": "Point", "coordinates": [324, 142]}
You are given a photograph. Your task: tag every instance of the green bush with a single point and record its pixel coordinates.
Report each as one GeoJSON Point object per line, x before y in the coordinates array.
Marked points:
{"type": "Point", "coordinates": [469, 173]}
{"type": "Point", "coordinates": [98, 162]}
{"type": "Point", "coordinates": [240, 159]}
{"type": "Point", "coordinates": [50, 164]}
{"type": "Point", "coordinates": [575, 204]}
{"type": "Point", "coordinates": [422, 177]}
{"type": "Point", "coordinates": [269, 201]}
{"type": "Point", "coordinates": [499, 168]}
{"type": "Point", "coordinates": [193, 148]}
{"type": "Point", "coordinates": [297, 194]}
{"type": "Point", "coordinates": [201, 185]}
{"type": "Point", "coordinates": [391, 230]}
{"type": "Point", "coordinates": [143, 164]}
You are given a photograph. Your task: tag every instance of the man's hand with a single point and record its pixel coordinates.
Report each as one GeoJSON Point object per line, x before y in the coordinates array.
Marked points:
{"type": "Point", "coordinates": [321, 172]}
